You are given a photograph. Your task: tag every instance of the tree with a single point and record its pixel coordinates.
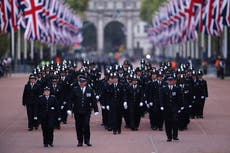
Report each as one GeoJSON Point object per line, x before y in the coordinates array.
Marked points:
{"type": "Point", "coordinates": [148, 7]}
{"type": "Point", "coordinates": [79, 6]}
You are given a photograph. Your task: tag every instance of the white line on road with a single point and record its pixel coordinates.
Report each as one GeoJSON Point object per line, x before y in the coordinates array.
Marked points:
{"type": "Point", "coordinates": [153, 145]}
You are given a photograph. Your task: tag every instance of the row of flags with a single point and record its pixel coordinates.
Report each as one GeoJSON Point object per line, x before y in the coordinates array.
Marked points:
{"type": "Point", "coordinates": [179, 21]}
{"type": "Point", "coordinates": [48, 21]}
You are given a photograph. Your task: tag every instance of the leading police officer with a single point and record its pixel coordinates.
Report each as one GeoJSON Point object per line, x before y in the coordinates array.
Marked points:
{"type": "Point", "coordinates": [170, 100]}
{"type": "Point", "coordinates": [82, 101]}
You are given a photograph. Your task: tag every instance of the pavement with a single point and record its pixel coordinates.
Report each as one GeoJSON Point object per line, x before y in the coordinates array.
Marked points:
{"type": "Point", "coordinates": [208, 135]}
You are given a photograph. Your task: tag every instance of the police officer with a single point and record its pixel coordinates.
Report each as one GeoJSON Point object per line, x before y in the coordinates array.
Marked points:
{"type": "Point", "coordinates": [202, 94]}
{"type": "Point", "coordinates": [29, 99]}
{"type": "Point", "coordinates": [117, 93]}
{"type": "Point", "coordinates": [170, 99]}
{"type": "Point", "coordinates": [83, 100]}
{"type": "Point", "coordinates": [47, 112]}
{"type": "Point", "coordinates": [135, 101]}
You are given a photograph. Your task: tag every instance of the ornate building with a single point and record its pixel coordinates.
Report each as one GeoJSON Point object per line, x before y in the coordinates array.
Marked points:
{"type": "Point", "coordinates": [126, 12]}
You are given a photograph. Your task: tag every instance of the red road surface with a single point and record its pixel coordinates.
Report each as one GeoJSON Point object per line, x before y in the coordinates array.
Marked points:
{"type": "Point", "coordinates": [208, 135]}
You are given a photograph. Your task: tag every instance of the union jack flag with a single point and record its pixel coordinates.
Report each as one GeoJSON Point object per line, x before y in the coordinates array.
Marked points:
{"type": "Point", "coordinates": [5, 16]}
{"type": "Point", "coordinates": [35, 25]}
{"type": "Point", "coordinates": [225, 13]}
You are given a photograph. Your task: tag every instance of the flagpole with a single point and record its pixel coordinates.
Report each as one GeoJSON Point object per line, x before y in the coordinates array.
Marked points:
{"type": "Point", "coordinates": [197, 49]}
{"type": "Point", "coordinates": [25, 49]}
{"type": "Point", "coordinates": [225, 50]}
{"type": "Point", "coordinates": [209, 46]}
{"type": "Point", "coordinates": [12, 44]}
{"type": "Point", "coordinates": [184, 50]}
{"type": "Point", "coordinates": [19, 48]}
{"type": "Point", "coordinates": [41, 51]}
{"type": "Point", "coordinates": [188, 49]}
{"type": "Point", "coordinates": [192, 49]}
{"type": "Point", "coordinates": [32, 50]}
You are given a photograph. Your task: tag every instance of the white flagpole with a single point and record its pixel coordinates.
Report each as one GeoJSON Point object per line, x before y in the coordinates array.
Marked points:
{"type": "Point", "coordinates": [12, 44]}
{"type": "Point", "coordinates": [19, 45]}
{"type": "Point", "coordinates": [32, 49]}
{"type": "Point", "coordinates": [197, 49]}
{"type": "Point", "coordinates": [188, 49]}
{"type": "Point", "coordinates": [192, 49]}
{"type": "Point", "coordinates": [209, 46]}
{"type": "Point", "coordinates": [25, 49]}
{"type": "Point", "coordinates": [41, 51]}
{"type": "Point", "coordinates": [225, 48]}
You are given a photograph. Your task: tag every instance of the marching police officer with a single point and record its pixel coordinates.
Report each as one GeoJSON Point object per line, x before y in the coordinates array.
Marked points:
{"type": "Point", "coordinates": [170, 98]}
{"type": "Point", "coordinates": [135, 101]}
{"type": "Point", "coordinates": [30, 98]}
{"type": "Point", "coordinates": [202, 94]}
{"type": "Point", "coordinates": [47, 112]}
{"type": "Point", "coordinates": [117, 93]}
{"type": "Point", "coordinates": [83, 100]}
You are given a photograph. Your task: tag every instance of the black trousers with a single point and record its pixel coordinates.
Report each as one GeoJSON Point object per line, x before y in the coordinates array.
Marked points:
{"type": "Point", "coordinates": [48, 132]}
{"type": "Point", "coordinates": [82, 127]}
{"type": "Point", "coordinates": [200, 108]}
{"type": "Point", "coordinates": [134, 119]}
{"type": "Point", "coordinates": [153, 117]}
{"type": "Point", "coordinates": [171, 128]}
{"type": "Point", "coordinates": [30, 115]}
{"type": "Point", "coordinates": [116, 117]}
{"type": "Point", "coordinates": [105, 117]}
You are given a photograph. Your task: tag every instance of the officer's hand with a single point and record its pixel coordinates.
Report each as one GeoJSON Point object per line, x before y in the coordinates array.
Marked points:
{"type": "Point", "coordinates": [190, 106]}
{"type": "Point", "coordinates": [69, 112]}
{"type": "Point", "coordinates": [102, 107]}
{"type": "Point", "coordinates": [162, 108]}
{"type": "Point", "coordinates": [97, 97]}
{"type": "Point", "coordinates": [125, 105]}
{"type": "Point", "coordinates": [107, 107]}
{"type": "Point", "coordinates": [59, 118]}
{"type": "Point", "coordinates": [62, 107]}
{"type": "Point", "coordinates": [96, 113]}
{"type": "Point", "coordinates": [179, 111]}
{"type": "Point", "coordinates": [64, 102]}
{"type": "Point", "coordinates": [151, 104]}
{"type": "Point", "coordinates": [182, 108]}
{"type": "Point", "coordinates": [148, 106]}
{"type": "Point", "coordinates": [141, 104]}
{"type": "Point", "coordinates": [35, 118]}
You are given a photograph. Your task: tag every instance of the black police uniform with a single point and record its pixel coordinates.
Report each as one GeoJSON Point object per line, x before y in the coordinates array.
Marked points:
{"type": "Point", "coordinates": [82, 103]}
{"type": "Point", "coordinates": [30, 98]}
{"type": "Point", "coordinates": [170, 100]}
{"type": "Point", "coordinates": [116, 93]}
{"type": "Point", "coordinates": [135, 97]}
{"type": "Point", "coordinates": [47, 112]}
{"type": "Point", "coordinates": [202, 94]}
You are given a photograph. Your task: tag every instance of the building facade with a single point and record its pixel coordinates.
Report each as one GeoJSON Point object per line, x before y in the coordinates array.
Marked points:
{"type": "Point", "coordinates": [103, 12]}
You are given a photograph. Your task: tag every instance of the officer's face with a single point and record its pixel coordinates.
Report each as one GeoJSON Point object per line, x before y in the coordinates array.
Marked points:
{"type": "Point", "coordinates": [134, 82]}
{"type": "Point", "coordinates": [82, 84]}
{"type": "Point", "coordinates": [159, 78]}
{"type": "Point", "coordinates": [170, 82]}
{"type": "Point", "coordinates": [46, 92]}
{"type": "Point", "coordinates": [115, 80]}
{"type": "Point", "coordinates": [154, 76]}
{"type": "Point", "coordinates": [32, 80]}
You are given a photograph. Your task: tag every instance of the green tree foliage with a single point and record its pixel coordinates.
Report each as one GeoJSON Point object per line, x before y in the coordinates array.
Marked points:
{"type": "Point", "coordinates": [148, 7]}
{"type": "Point", "coordinates": [79, 6]}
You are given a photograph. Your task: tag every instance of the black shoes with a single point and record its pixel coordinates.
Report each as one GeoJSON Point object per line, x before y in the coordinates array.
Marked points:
{"type": "Point", "coordinates": [30, 129]}
{"type": "Point", "coordinates": [168, 140]}
{"type": "Point", "coordinates": [45, 145]}
{"type": "Point", "coordinates": [88, 144]}
{"type": "Point", "coordinates": [79, 145]}
{"type": "Point", "coordinates": [51, 145]}
{"type": "Point", "coordinates": [175, 139]}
